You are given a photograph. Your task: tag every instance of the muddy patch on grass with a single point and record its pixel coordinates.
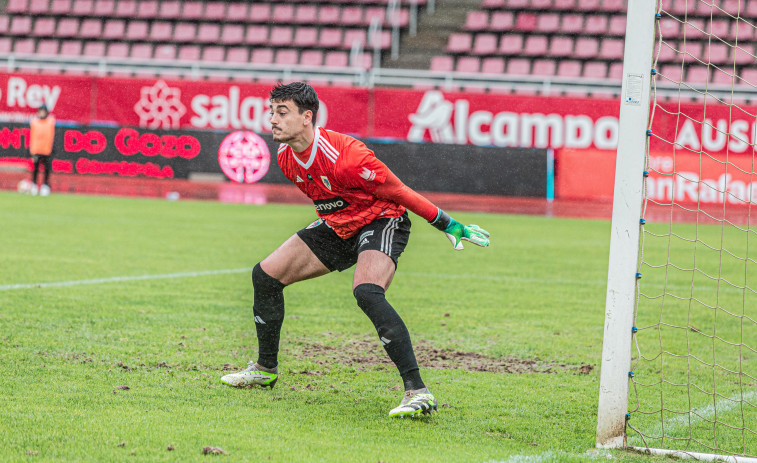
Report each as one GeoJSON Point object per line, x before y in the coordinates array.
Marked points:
{"type": "Point", "coordinates": [365, 353]}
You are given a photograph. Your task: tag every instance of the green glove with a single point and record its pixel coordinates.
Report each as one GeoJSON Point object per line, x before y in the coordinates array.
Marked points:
{"type": "Point", "coordinates": [457, 232]}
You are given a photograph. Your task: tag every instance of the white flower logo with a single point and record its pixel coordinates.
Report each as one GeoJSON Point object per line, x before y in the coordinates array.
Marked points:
{"type": "Point", "coordinates": [160, 106]}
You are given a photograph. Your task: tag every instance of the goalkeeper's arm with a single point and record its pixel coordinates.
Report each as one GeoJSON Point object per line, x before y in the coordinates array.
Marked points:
{"type": "Point", "coordinates": [393, 189]}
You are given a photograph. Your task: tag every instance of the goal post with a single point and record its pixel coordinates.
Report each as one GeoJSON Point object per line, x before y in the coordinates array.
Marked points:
{"type": "Point", "coordinates": [626, 213]}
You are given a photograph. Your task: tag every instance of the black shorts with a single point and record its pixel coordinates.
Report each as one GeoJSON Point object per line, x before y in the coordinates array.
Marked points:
{"type": "Point", "coordinates": [386, 235]}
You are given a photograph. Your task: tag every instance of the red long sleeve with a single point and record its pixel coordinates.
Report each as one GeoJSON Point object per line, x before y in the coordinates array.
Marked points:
{"type": "Point", "coordinates": [394, 190]}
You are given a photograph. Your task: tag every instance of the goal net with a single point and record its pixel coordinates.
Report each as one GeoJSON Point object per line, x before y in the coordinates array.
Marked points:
{"type": "Point", "coordinates": [693, 375]}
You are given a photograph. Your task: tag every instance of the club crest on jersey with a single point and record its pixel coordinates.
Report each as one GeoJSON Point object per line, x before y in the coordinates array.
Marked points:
{"type": "Point", "coordinates": [326, 182]}
{"type": "Point", "coordinates": [314, 224]}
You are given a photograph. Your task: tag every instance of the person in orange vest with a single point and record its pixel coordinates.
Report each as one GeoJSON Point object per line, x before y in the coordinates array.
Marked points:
{"type": "Point", "coordinates": [41, 136]}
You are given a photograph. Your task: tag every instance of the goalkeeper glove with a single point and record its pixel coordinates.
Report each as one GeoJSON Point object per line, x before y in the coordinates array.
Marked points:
{"type": "Point", "coordinates": [456, 232]}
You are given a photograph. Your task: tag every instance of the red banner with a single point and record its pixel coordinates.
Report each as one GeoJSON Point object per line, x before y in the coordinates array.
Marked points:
{"type": "Point", "coordinates": [70, 97]}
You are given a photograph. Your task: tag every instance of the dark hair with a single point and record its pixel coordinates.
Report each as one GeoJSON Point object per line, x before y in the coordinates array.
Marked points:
{"type": "Point", "coordinates": [301, 93]}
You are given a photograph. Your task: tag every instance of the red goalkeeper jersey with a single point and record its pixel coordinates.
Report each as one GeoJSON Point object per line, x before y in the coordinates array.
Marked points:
{"type": "Point", "coordinates": [340, 174]}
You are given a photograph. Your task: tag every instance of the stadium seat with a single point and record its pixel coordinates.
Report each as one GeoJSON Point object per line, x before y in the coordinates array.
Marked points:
{"type": "Point", "coordinates": [169, 10]}
{"type": "Point", "coordinates": [613, 6]}
{"type": "Point", "coordinates": [572, 24]}
{"type": "Point", "coordinates": [23, 46]}
{"type": "Point", "coordinates": [719, 28]}
{"type": "Point", "coordinates": [237, 55]}
{"type": "Point", "coordinates": [287, 57]}
{"type": "Point", "coordinates": [442, 63]}
{"type": "Point", "coordinates": [260, 13]}
{"type": "Point", "coordinates": [43, 27]}
{"type": "Point", "coordinates": [136, 30]}
{"type": "Point", "coordinates": [694, 50]}
{"type": "Point", "coordinates": [561, 46]}
{"type": "Point", "coordinates": [184, 32]}
{"type": "Point", "coordinates": [189, 53]}
{"type": "Point", "coordinates": [141, 51]}
{"type": "Point", "coordinates": [5, 23]}
{"type": "Point", "coordinates": [544, 67]}
{"type": "Point", "coordinates": [91, 28]}
{"type": "Point", "coordinates": [311, 58]}
{"type": "Point", "coordinates": [586, 48]}
{"type": "Point", "coordinates": [147, 9]}
{"type": "Point", "coordinates": [536, 45]}
{"type": "Point", "coordinates": [511, 44]}
{"type": "Point", "coordinates": [329, 14]}
{"type": "Point", "coordinates": [60, 7]}
{"type": "Point", "coordinates": [256, 35]}
{"type": "Point", "coordinates": [282, 13]}
{"type": "Point", "coordinates": [469, 64]}
{"type": "Point", "coordinates": [306, 37]}
{"type": "Point", "coordinates": [379, 13]}
{"type": "Point", "coordinates": [209, 33]}
{"type": "Point", "coordinates": [540, 5]}
{"type": "Point", "coordinates": [617, 26]}
{"type": "Point", "coordinates": [5, 45]}
{"type": "Point", "coordinates": [68, 27]}
{"type": "Point", "coordinates": [518, 4]}
{"type": "Point", "coordinates": [611, 49]}
{"type": "Point", "coordinates": [192, 10]}
{"type": "Point", "coordinates": [459, 42]}
{"type": "Point", "coordinates": [595, 70]}
{"type": "Point", "coordinates": [548, 23]}
{"type": "Point", "coordinates": [564, 5]}
{"type": "Point", "coordinates": [262, 56]}
{"type": "Point", "coordinates": [20, 26]}
{"type": "Point", "coordinates": [748, 76]}
{"type": "Point", "coordinates": [18, 6]}
{"type": "Point", "coordinates": [330, 38]}
{"type": "Point", "coordinates": [743, 31]}
{"type": "Point", "coordinates": [118, 50]}
{"type": "Point", "coordinates": [671, 72]}
{"type": "Point", "coordinates": [214, 11]}
{"type": "Point", "coordinates": [693, 28]}
{"type": "Point", "coordinates": [476, 20]}
{"type": "Point", "coordinates": [93, 49]}
{"type": "Point", "coordinates": [165, 51]}
{"type": "Point", "coordinates": [494, 4]}
{"type": "Point", "coordinates": [743, 54]}
{"type": "Point", "coordinates": [723, 77]}
{"type": "Point", "coordinates": [236, 12]}
{"type": "Point", "coordinates": [589, 6]}
{"type": "Point", "coordinates": [126, 9]}
{"type": "Point", "coordinates": [697, 74]}
{"type": "Point", "coordinates": [501, 21]}
{"type": "Point", "coordinates": [38, 6]}
{"type": "Point", "coordinates": [352, 36]}
{"type": "Point", "coordinates": [668, 52]}
{"type": "Point", "coordinates": [616, 72]}
{"type": "Point", "coordinates": [104, 8]}
{"type": "Point", "coordinates": [569, 68]}
{"type": "Point", "coordinates": [526, 22]}
{"type": "Point", "coordinates": [518, 66]}
{"type": "Point", "coordinates": [160, 31]}
{"type": "Point", "coordinates": [71, 48]}
{"type": "Point", "coordinates": [352, 16]}
{"type": "Point", "coordinates": [114, 29]}
{"type": "Point", "coordinates": [213, 54]}
{"type": "Point", "coordinates": [47, 47]}
{"type": "Point", "coordinates": [493, 65]}
{"type": "Point", "coordinates": [336, 59]}
{"type": "Point", "coordinates": [281, 36]}
{"type": "Point", "coordinates": [596, 25]}
{"type": "Point", "coordinates": [232, 34]}
{"type": "Point", "coordinates": [485, 44]}
{"type": "Point", "coordinates": [305, 14]}
{"type": "Point", "coordinates": [719, 53]}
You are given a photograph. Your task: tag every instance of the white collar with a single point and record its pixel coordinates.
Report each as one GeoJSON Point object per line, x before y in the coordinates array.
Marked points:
{"type": "Point", "coordinates": [306, 165]}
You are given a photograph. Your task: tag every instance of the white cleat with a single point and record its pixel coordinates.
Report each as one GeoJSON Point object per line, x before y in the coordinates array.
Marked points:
{"type": "Point", "coordinates": [44, 190]}
{"type": "Point", "coordinates": [251, 376]}
{"type": "Point", "coordinates": [415, 404]}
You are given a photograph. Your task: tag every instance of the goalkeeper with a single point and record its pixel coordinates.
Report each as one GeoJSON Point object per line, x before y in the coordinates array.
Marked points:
{"type": "Point", "coordinates": [362, 221]}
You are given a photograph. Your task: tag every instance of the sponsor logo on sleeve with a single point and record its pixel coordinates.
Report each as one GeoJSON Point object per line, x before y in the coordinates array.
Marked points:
{"type": "Point", "coordinates": [368, 174]}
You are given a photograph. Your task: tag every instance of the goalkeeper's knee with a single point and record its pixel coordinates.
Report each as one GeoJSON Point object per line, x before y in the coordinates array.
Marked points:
{"type": "Point", "coordinates": [269, 297]}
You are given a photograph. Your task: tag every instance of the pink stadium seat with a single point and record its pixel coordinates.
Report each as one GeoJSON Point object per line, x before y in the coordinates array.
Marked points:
{"type": "Point", "coordinates": [165, 52]}
{"type": "Point", "coordinates": [60, 7]}
{"type": "Point", "coordinates": [91, 28]}
{"type": "Point", "coordinates": [704, 9]}
{"type": "Point", "coordinates": [237, 55]}
{"type": "Point", "coordinates": [697, 74]}
{"type": "Point", "coordinates": [353, 35]}
{"type": "Point", "coordinates": [618, 26]}
{"type": "Point", "coordinates": [544, 67]}
{"type": "Point", "coordinates": [518, 66]}
{"type": "Point", "coordinates": [189, 53]}
{"type": "Point", "coordinates": [287, 57]}
{"type": "Point", "coordinates": [352, 16]}
{"type": "Point", "coordinates": [596, 25]}
{"type": "Point", "coordinates": [540, 5]}
{"type": "Point", "coordinates": [70, 48]}
{"type": "Point", "coordinates": [114, 29]}
{"type": "Point", "coordinates": [573, 24]}
{"type": "Point", "coordinates": [305, 14]}
{"type": "Point", "coordinates": [694, 50]}
{"type": "Point", "coordinates": [306, 37]}
{"type": "Point", "coordinates": [469, 64]}
{"type": "Point", "coordinates": [136, 30]}
{"type": "Point", "coordinates": [43, 27]}
{"type": "Point", "coordinates": [613, 6]}
{"type": "Point", "coordinates": [256, 35]}
{"type": "Point", "coordinates": [536, 45]}
{"type": "Point", "coordinates": [260, 13]}
{"type": "Point", "coordinates": [170, 10]}
{"type": "Point", "coordinates": [47, 47]}
{"type": "Point", "coordinates": [719, 28]}
{"type": "Point", "coordinates": [68, 27]}
{"type": "Point", "coordinates": [283, 13]}
{"type": "Point", "coordinates": [214, 54]}
{"type": "Point", "coordinates": [548, 23]}
{"type": "Point", "coordinates": [18, 6]}
{"type": "Point", "coordinates": [586, 48]}
{"type": "Point", "coordinates": [21, 26]}
{"type": "Point", "coordinates": [589, 6]}
{"type": "Point", "coordinates": [751, 10]}
{"type": "Point", "coordinates": [141, 51]}
{"type": "Point", "coordinates": [5, 45]}
{"type": "Point", "coordinates": [493, 65]}
{"type": "Point", "coordinates": [565, 5]}
{"type": "Point", "coordinates": [214, 11]}
{"type": "Point", "coordinates": [719, 53]}
{"type": "Point", "coordinates": [476, 20]}
{"type": "Point", "coordinates": [336, 59]}
{"type": "Point", "coordinates": [748, 76]}
{"type": "Point", "coordinates": [611, 49]}
{"type": "Point", "coordinates": [493, 4]}
{"type": "Point", "coordinates": [192, 10]}
{"type": "Point", "coordinates": [209, 33]}
{"type": "Point", "coordinates": [38, 6]}
{"type": "Point", "coordinates": [329, 14]}
{"type": "Point", "coordinates": [669, 27]}
{"type": "Point", "coordinates": [93, 49]}
{"type": "Point", "coordinates": [23, 46]}
{"type": "Point", "coordinates": [236, 12]}
{"type": "Point", "coordinates": [126, 9]}
{"type": "Point", "coordinates": [459, 42]}
{"type": "Point", "coordinates": [5, 24]}
{"type": "Point", "coordinates": [232, 34]}
{"type": "Point", "coordinates": [262, 56]}
{"type": "Point", "coordinates": [118, 50]}
{"type": "Point", "coordinates": [161, 31]}
{"type": "Point", "coordinates": [501, 21]}
{"type": "Point", "coordinates": [671, 72]}
{"type": "Point", "coordinates": [148, 9]}
{"type": "Point", "coordinates": [526, 22]}
{"type": "Point", "coordinates": [595, 70]}
{"type": "Point", "coordinates": [184, 32]}
{"type": "Point", "coordinates": [517, 4]}
{"type": "Point", "coordinates": [743, 31]}
{"type": "Point", "coordinates": [722, 78]}
{"type": "Point", "coordinates": [733, 7]}
{"type": "Point", "coordinates": [668, 52]}
{"type": "Point", "coordinates": [330, 38]}
{"type": "Point", "coordinates": [615, 72]}
{"type": "Point", "coordinates": [442, 63]}
{"type": "Point", "coordinates": [743, 54]}
{"type": "Point", "coordinates": [561, 46]}
{"type": "Point", "coordinates": [511, 44]}
{"type": "Point", "coordinates": [694, 29]}
{"type": "Point", "coordinates": [311, 58]}
{"type": "Point", "coordinates": [363, 60]}
{"type": "Point", "coordinates": [104, 8]}
{"type": "Point", "coordinates": [569, 68]}
{"type": "Point", "coordinates": [485, 44]}
{"type": "Point", "coordinates": [281, 36]}
{"type": "Point", "coordinates": [374, 12]}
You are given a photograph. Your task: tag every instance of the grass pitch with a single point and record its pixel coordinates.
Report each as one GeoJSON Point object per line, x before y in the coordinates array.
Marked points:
{"type": "Point", "coordinates": [105, 365]}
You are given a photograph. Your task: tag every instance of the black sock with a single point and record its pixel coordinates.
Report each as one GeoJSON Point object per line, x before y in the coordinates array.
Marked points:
{"type": "Point", "coordinates": [268, 309]}
{"type": "Point", "coordinates": [392, 332]}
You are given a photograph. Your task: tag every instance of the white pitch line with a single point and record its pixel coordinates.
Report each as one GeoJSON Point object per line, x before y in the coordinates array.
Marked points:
{"type": "Point", "coordinates": [121, 279]}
